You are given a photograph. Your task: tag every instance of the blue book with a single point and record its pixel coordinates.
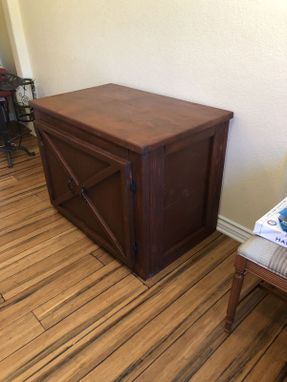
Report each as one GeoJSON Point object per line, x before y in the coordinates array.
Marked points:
{"type": "Point", "coordinates": [273, 225]}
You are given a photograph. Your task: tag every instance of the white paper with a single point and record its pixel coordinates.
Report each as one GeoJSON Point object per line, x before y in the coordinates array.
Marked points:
{"type": "Point", "coordinates": [269, 227]}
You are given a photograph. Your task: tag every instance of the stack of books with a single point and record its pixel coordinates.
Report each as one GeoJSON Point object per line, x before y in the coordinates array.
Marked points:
{"type": "Point", "coordinates": [273, 225]}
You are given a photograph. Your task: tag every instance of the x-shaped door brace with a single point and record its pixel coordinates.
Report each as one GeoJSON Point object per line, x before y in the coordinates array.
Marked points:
{"type": "Point", "coordinates": [77, 188]}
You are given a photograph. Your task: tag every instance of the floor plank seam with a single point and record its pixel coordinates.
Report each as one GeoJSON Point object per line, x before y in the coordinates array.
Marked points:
{"type": "Point", "coordinates": [158, 286]}
{"type": "Point", "coordinates": [80, 307]}
{"type": "Point", "coordinates": [99, 335]}
{"type": "Point", "coordinates": [26, 293]}
{"type": "Point", "coordinates": [87, 333]}
{"type": "Point", "coordinates": [22, 195]}
{"type": "Point", "coordinates": [192, 258]}
{"type": "Point", "coordinates": [29, 216]}
{"type": "Point", "coordinates": [56, 216]}
{"type": "Point", "coordinates": [151, 319]}
{"type": "Point", "coordinates": [95, 319]}
{"type": "Point", "coordinates": [84, 290]}
{"type": "Point", "coordinates": [262, 355]}
{"type": "Point", "coordinates": [202, 252]}
{"type": "Point", "coordinates": [52, 254]}
{"type": "Point", "coordinates": [236, 326]}
{"type": "Point", "coordinates": [189, 375]}
{"type": "Point", "coordinates": [44, 329]}
{"type": "Point", "coordinates": [95, 256]}
{"type": "Point", "coordinates": [177, 337]}
{"type": "Point", "coordinates": [41, 282]}
{"type": "Point", "coordinates": [140, 280]}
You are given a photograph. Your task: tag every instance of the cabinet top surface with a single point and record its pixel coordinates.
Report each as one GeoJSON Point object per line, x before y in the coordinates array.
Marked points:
{"type": "Point", "coordinates": [137, 120]}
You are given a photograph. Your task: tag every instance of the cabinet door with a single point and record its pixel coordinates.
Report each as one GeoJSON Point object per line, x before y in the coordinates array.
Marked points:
{"type": "Point", "coordinates": [91, 187]}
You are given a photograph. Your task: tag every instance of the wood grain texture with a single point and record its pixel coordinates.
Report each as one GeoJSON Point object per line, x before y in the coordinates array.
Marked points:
{"type": "Point", "coordinates": [9, 264]}
{"type": "Point", "coordinates": [35, 240]}
{"type": "Point", "coordinates": [151, 335]}
{"type": "Point", "coordinates": [72, 312]}
{"type": "Point", "coordinates": [31, 232]}
{"type": "Point", "coordinates": [73, 298]}
{"type": "Point", "coordinates": [102, 256]}
{"type": "Point", "coordinates": [20, 190]}
{"type": "Point", "coordinates": [183, 353]}
{"type": "Point", "coordinates": [57, 340]}
{"type": "Point", "coordinates": [272, 366]}
{"type": "Point", "coordinates": [245, 348]}
{"type": "Point", "coordinates": [211, 241]}
{"type": "Point", "coordinates": [23, 215]}
{"type": "Point", "coordinates": [15, 206]}
{"type": "Point", "coordinates": [123, 166]}
{"type": "Point", "coordinates": [41, 270]}
{"type": "Point", "coordinates": [18, 334]}
{"type": "Point", "coordinates": [6, 182]}
{"type": "Point", "coordinates": [133, 118]}
{"type": "Point", "coordinates": [50, 287]}
{"type": "Point", "coordinates": [88, 351]}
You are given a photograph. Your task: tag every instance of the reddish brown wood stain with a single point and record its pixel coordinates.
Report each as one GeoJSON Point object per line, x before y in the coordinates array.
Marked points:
{"type": "Point", "coordinates": [70, 312]}
{"type": "Point", "coordinates": [138, 172]}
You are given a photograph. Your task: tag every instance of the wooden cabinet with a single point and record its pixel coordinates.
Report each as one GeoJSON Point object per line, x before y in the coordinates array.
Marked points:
{"type": "Point", "coordinates": [139, 173]}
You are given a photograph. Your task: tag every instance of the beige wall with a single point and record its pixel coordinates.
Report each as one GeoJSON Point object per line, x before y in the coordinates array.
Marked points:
{"type": "Point", "coordinates": [6, 56]}
{"type": "Point", "coordinates": [226, 53]}
{"type": "Point", "coordinates": [13, 18]}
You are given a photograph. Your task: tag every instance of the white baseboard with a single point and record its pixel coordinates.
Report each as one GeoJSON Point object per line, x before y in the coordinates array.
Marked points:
{"type": "Point", "coordinates": [232, 229]}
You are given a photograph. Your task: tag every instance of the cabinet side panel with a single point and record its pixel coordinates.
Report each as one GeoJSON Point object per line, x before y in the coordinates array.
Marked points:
{"type": "Point", "coordinates": [216, 173]}
{"type": "Point", "coordinates": [185, 192]}
{"type": "Point", "coordinates": [156, 227]}
{"type": "Point", "coordinates": [192, 183]}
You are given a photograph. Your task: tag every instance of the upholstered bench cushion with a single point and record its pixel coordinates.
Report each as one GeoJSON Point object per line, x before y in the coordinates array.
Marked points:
{"type": "Point", "coordinates": [265, 253]}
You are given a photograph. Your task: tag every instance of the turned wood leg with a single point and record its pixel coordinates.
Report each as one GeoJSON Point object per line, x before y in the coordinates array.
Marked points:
{"type": "Point", "coordinates": [235, 291]}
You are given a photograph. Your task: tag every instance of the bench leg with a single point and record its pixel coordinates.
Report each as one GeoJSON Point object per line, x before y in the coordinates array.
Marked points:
{"type": "Point", "coordinates": [235, 291]}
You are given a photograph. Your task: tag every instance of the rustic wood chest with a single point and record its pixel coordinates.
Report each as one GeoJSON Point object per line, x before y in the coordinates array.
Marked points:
{"type": "Point", "coordinates": [139, 173]}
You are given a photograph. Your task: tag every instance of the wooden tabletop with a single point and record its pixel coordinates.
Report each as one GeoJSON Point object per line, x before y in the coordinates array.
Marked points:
{"type": "Point", "coordinates": [135, 119]}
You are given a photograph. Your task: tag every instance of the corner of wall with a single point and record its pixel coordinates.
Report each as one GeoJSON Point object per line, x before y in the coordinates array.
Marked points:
{"type": "Point", "coordinates": [17, 37]}
{"type": "Point", "coordinates": [233, 229]}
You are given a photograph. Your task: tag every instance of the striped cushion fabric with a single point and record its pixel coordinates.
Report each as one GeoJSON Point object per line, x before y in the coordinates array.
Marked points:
{"type": "Point", "coordinates": [266, 254]}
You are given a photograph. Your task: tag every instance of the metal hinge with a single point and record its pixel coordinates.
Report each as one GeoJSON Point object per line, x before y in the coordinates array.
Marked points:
{"type": "Point", "coordinates": [135, 247]}
{"type": "Point", "coordinates": [133, 186]}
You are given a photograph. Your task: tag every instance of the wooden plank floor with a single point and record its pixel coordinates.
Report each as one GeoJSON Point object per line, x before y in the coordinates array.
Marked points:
{"type": "Point", "coordinates": [70, 312]}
